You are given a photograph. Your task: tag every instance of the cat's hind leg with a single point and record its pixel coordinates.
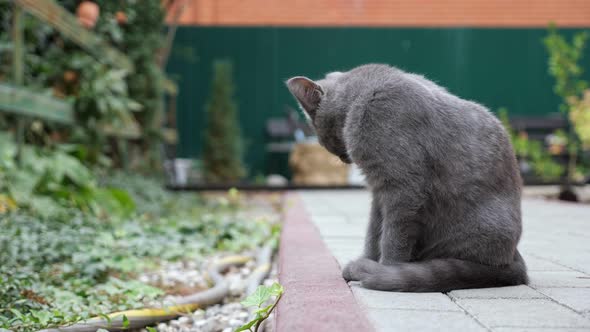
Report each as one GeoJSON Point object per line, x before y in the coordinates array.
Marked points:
{"type": "Point", "coordinates": [397, 244]}
{"type": "Point", "coordinates": [401, 226]}
{"type": "Point", "coordinates": [372, 249]}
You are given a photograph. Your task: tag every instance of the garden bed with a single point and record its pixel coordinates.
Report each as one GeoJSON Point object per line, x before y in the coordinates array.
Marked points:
{"type": "Point", "coordinates": [63, 263]}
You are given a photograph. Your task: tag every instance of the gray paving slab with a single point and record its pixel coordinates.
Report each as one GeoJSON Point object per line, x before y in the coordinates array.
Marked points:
{"type": "Point", "coordinates": [341, 259]}
{"type": "Point", "coordinates": [575, 298]}
{"type": "Point", "coordinates": [539, 264]}
{"type": "Point", "coordinates": [331, 219]}
{"type": "Point", "coordinates": [558, 279]}
{"type": "Point", "coordinates": [539, 329]}
{"type": "Point", "coordinates": [513, 292]}
{"type": "Point", "coordinates": [388, 320]}
{"type": "Point", "coordinates": [554, 244]}
{"type": "Point", "coordinates": [345, 243]}
{"type": "Point", "coordinates": [522, 313]}
{"type": "Point", "coordinates": [341, 230]}
{"type": "Point", "coordinates": [409, 301]}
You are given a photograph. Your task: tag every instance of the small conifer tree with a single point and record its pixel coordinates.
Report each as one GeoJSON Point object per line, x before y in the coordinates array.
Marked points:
{"type": "Point", "coordinates": [222, 151]}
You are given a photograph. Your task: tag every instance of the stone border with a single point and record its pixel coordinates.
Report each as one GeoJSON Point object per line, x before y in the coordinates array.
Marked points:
{"type": "Point", "coordinates": [316, 297]}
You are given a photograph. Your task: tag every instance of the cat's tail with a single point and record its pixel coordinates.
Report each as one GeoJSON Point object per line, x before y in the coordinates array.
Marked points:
{"type": "Point", "coordinates": [436, 275]}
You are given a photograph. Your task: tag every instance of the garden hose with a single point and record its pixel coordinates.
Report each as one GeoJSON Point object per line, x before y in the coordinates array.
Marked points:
{"type": "Point", "coordinates": [139, 318]}
{"type": "Point", "coordinates": [263, 259]}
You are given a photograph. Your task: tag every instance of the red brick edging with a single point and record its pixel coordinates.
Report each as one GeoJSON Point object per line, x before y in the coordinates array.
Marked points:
{"type": "Point", "coordinates": [316, 297]}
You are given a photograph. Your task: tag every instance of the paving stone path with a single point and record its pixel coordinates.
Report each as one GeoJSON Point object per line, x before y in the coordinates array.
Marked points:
{"type": "Point", "coordinates": [555, 245]}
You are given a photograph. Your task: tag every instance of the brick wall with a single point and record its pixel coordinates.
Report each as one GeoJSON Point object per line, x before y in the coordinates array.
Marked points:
{"type": "Point", "coordinates": [424, 13]}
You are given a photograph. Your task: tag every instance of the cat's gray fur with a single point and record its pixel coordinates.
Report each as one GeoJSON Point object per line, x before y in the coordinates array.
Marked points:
{"type": "Point", "coordinates": [445, 211]}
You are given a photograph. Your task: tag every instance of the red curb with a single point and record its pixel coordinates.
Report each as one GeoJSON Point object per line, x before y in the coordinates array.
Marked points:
{"type": "Point", "coordinates": [316, 297]}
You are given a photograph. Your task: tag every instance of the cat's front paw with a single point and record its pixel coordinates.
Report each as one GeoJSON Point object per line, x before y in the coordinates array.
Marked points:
{"type": "Point", "coordinates": [347, 273]}
{"type": "Point", "coordinates": [354, 270]}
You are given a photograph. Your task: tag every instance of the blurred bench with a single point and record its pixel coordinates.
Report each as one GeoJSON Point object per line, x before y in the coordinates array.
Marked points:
{"type": "Point", "coordinates": [538, 128]}
{"type": "Point", "coordinates": [284, 132]}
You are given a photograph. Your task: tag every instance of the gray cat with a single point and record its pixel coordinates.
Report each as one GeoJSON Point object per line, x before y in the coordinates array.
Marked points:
{"type": "Point", "coordinates": [445, 212]}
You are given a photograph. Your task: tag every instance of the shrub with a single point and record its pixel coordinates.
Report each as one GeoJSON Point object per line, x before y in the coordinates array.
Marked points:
{"type": "Point", "coordinates": [222, 151]}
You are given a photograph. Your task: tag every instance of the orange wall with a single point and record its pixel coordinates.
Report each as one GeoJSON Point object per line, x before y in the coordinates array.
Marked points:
{"type": "Point", "coordinates": [476, 13]}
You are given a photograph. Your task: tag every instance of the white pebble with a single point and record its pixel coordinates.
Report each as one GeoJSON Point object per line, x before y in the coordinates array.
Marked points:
{"type": "Point", "coordinates": [221, 319]}
{"type": "Point", "coordinates": [201, 324]}
{"type": "Point", "coordinates": [184, 320]}
{"type": "Point", "coordinates": [231, 307]}
{"type": "Point", "coordinates": [199, 314]}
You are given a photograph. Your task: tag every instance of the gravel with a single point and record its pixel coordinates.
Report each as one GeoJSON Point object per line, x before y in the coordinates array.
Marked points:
{"type": "Point", "coordinates": [224, 317]}
{"type": "Point", "coordinates": [188, 277]}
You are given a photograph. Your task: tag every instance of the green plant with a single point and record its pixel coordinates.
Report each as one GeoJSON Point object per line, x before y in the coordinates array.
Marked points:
{"type": "Point", "coordinates": [580, 116]}
{"type": "Point", "coordinates": [104, 97]}
{"type": "Point", "coordinates": [47, 179]}
{"type": "Point", "coordinates": [564, 58]}
{"type": "Point", "coordinates": [258, 299]}
{"type": "Point", "coordinates": [73, 243]}
{"type": "Point", "coordinates": [142, 40]}
{"type": "Point", "coordinates": [102, 103]}
{"type": "Point", "coordinates": [74, 265]}
{"type": "Point", "coordinates": [534, 152]}
{"type": "Point", "coordinates": [222, 151]}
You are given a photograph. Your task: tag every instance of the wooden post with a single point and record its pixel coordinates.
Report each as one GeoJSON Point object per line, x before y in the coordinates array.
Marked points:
{"type": "Point", "coordinates": [18, 71]}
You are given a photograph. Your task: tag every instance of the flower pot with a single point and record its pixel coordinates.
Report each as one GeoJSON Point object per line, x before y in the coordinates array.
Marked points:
{"type": "Point", "coordinates": [181, 170]}
{"type": "Point", "coordinates": [315, 166]}
{"type": "Point", "coordinates": [88, 13]}
{"type": "Point", "coordinates": [178, 170]}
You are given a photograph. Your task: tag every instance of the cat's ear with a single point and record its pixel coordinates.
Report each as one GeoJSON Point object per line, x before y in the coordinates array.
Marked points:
{"type": "Point", "coordinates": [307, 92]}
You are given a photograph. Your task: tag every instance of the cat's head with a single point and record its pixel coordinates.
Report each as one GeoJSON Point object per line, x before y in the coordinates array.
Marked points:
{"type": "Point", "coordinates": [318, 101]}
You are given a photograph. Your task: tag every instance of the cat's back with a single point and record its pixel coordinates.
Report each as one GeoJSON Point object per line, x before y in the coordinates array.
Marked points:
{"type": "Point", "coordinates": [384, 96]}
{"type": "Point", "coordinates": [380, 97]}
{"type": "Point", "coordinates": [396, 114]}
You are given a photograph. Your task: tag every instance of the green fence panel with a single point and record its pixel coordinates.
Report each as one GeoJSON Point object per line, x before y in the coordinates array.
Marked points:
{"type": "Point", "coordinates": [496, 67]}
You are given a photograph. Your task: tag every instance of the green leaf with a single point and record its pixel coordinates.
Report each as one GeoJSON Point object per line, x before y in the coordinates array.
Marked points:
{"type": "Point", "coordinates": [42, 317]}
{"type": "Point", "coordinates": [247, 326]}
{"type": "Point", "coordinates": [134, 106]}
{"type": "Point", "coordinates": [125, 322]}
{"type": "Point", "coordinates": [260, 295]}
{"type": "Point", "coordinates": [276, 289]}
{"type": "Point", "coordinates": [263, 310]}
{"type": "Point", "coordinates": [17, 313]}
{"type": "Point", "coordinates": [258, 298]}
{"type": "Point", "coordinates": [151, 329]}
